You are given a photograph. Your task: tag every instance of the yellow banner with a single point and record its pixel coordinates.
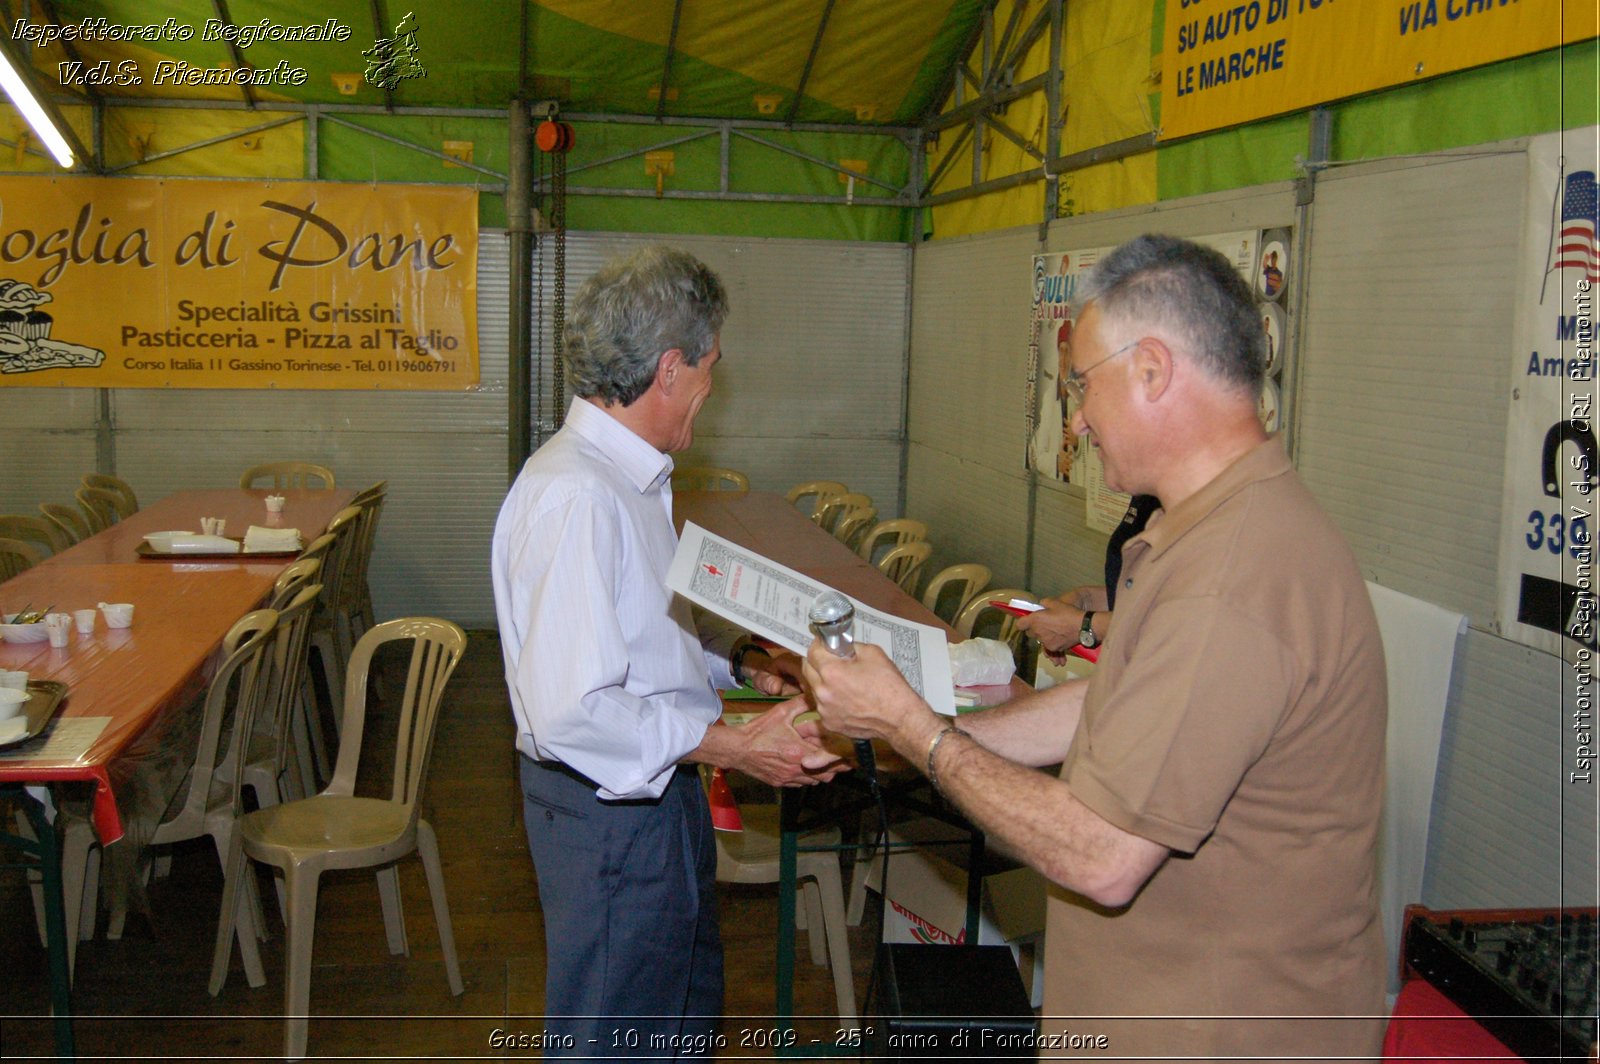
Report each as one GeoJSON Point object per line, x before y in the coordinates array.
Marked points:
{"type": "Point", "coordinates": [126, 283]}
{"type": "Point", "coordinates": [1228, 62]}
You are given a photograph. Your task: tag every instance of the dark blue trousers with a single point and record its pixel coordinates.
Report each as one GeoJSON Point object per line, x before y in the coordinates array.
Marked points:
{"type": "Point", "coordinates": [633, 952]}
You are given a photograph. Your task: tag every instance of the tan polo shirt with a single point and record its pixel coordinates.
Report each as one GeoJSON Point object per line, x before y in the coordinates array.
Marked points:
{"type": "Point", "coordinates": [1237, 717]}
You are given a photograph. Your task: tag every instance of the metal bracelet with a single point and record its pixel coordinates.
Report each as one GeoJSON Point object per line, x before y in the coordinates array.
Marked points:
{"type": "Point", "coordinates": [933, 749]}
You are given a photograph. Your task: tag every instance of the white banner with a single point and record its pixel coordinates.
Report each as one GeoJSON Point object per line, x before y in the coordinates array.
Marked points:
{"type": "Point", "coordinates": [1546, 575]}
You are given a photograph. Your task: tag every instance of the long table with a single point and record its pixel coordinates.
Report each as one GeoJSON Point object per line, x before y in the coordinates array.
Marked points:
{"type": "Point", "coordinates": [129, 676]}
{"type": "Point", "coordinates": [769, 524]}
{"type": "Point", "coordinates": [303, 509]}
{"type": "Point", "coordinates": [123, 684]}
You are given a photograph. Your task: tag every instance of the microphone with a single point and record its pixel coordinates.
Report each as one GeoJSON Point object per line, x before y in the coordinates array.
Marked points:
{"type": "Point", "coordinates": [833, 618]}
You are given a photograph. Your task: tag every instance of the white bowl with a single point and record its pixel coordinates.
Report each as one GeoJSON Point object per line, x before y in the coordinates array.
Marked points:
{"type": "Point", "coordinates": [162, 541]}
{"type": "Point", "coordinates": [12, 702]}
{"type": "Point", "coordinates": [23, 633]}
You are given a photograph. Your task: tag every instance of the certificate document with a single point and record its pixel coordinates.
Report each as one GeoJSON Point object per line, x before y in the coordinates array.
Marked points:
{"type": "Point", "coordinates": [774, 601]}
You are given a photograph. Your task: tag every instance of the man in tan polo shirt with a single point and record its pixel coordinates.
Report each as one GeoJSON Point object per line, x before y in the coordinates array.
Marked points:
{"type": "Point", "coordinates": [1213, 830]}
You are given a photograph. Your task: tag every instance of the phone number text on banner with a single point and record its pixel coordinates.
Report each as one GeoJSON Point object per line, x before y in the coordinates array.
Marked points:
{"type": "Point", "coordinates": [118, 283]}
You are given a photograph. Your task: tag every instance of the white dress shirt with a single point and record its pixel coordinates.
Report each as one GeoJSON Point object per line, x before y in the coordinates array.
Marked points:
{"type": "Point", "coordinates": [606, 670]}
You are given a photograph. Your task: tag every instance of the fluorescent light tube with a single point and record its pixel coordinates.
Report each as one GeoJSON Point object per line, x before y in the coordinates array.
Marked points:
{"type": "Point", "coordinates": [22, 97]}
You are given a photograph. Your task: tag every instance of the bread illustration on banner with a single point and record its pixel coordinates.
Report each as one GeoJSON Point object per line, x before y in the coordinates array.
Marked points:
{"type": "Point", "coordinates": [25, 343]}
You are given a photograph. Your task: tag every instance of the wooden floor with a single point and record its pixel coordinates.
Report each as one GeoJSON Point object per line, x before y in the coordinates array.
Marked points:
{"type": "Point", "coordinates": [145, 995]}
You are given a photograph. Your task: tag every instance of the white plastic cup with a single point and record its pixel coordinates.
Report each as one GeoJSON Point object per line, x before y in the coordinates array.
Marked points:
{"type": "Point", "coordinates": [117, 614]}
{"type": "Point", "coordinates": [12, 702]}
{"type": "Point", "coordinates": [59, 627]}
{"type": "Point", "coordinates": [274, 504]}
{"type": "Point", "coordinates": [84, 619]}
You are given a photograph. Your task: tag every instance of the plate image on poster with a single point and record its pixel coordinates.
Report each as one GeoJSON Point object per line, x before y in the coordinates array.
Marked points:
{"type": "Point", "coordinates": [1272, 323]}
{"type": "Point", "coordinates": [1272, 269]}
{"type": "Point", "coordinates": [1269, 408]}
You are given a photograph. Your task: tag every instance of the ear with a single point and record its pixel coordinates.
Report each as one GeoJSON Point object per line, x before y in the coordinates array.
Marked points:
{"type": "Point", "coordinates": [668, 367]}
{"type": "Point", "coordinates": [1152, 367]}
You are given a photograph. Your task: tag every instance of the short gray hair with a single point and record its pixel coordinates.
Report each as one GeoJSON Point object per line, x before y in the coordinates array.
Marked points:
{"type": "Point", "coordinates": [1193, 292]}
{"type": "Point", "coordinates": [631, 312]}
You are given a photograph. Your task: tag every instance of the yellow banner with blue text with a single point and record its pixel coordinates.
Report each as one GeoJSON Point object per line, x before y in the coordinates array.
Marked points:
{"type": "Point", "coordinates": [1233, 61]}
{"type": "Point", "coordinates": [134, 283]}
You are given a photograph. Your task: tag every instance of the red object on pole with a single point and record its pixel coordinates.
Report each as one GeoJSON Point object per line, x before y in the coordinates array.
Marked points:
{"type": "Point", "coordinates": [554, 137]}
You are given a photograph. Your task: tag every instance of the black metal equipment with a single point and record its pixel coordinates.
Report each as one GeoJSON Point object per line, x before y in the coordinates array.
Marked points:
{"type": "Point", "coordinates": [950, 1001]}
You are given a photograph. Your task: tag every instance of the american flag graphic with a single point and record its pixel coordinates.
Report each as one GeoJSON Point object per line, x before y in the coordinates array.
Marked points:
{"type": "Point", "coordinates": [1580, 215]}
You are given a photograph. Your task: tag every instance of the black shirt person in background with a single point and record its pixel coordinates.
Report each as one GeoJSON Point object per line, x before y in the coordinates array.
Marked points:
{"type": "Point", "coordinates": [1083, 615]}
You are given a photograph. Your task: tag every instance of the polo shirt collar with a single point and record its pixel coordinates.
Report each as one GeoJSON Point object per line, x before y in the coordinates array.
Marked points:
{"type": "Point", "coordinates": [639, 461]}
{"type": "Point", "coordinates": [1262, 462]}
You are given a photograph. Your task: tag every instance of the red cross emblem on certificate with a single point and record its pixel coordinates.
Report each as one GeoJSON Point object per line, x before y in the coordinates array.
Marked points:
{"type": "Point", "coordinates": [712, 569]}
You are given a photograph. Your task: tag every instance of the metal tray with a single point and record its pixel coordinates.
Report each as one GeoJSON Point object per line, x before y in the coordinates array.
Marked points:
{"type": "Point", "coordinates": [44, 698]}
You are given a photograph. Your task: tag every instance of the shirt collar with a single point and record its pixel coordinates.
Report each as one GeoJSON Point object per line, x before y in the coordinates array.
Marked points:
{"type": "Point", "coordinates": [1264, 461]}
{"type": "Point", "coordinates": [643, 465]}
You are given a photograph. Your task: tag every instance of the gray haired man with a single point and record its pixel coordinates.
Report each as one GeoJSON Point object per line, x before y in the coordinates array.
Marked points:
{"type": "Point", "coordinates": [612, 686]}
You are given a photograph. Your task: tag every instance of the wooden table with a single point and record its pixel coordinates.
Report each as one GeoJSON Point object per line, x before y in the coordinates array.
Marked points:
{"type": "Point", "coordinates": [129, 675]}
{"type": "Point", "coordinates": [132, 677]}
{"type": "Point", "coordinates": [769, 524]}
{"type": "Point", "coordinates": [303, 509]}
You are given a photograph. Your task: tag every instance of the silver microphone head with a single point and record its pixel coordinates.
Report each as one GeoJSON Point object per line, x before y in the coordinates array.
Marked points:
{"type": "Point", "coordinates": [833, 618]}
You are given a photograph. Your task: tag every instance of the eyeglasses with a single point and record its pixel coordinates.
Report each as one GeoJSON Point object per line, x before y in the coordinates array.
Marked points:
{"type": "Point", "coordinates": [1073, 384]}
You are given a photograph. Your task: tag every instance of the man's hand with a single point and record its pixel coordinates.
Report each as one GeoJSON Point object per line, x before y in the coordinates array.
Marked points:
{"type": "Point", "coordinates": [1056, 626]}
{"type": "Point", "coordinates": [773, 749]}
{"type": "Point", "coordinates": [773, 673]}
{"type": "Point", "coordinates": [865, 697]}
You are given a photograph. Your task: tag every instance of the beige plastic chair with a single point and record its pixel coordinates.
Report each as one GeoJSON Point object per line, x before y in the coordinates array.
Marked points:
{"type": "Point", "coordinates": [204, 804]}
{"type": "Point", "coordinates": [268, 770]}
{"type": "Point", "coordinates": [69, 519]}
{"type": "Point", "coordinates": [891, 533]}
{"type": "Point", "coordinates": [330, 630]}
{"type": "Point", "coordinates": [358, 597]}
{"type": "Point", "coordinates": [709, 478]}
{"type": "Point", "coordinates": [963, 580]}
{"type": "Point", "coordinates": [99, 508]}
{"type": "Point", "coordinates": [751, 856]}
{"type": "Point", "coordinates": [127, 502]}
{"type": "Point", "coordinates": [17, 556]}
{"type": "Point", "coordinates": [310, 723]}
{"type": "Point", "coordinates": [971, 618]}
{"type": "Point", "coordinates": [853, 524]}
{"type": "Point", "coordinates": [903, 564]}
{"type": "Point", "coordinates": [336, 829]}
{"type": "Point", "coordinates": [810, 494]}
{"type": "Point", "coordinates": [832, 507]}
{"type": "Point", "coordinates": [43, 534]}
{"type": "Point", "coordinates": [287, 475]}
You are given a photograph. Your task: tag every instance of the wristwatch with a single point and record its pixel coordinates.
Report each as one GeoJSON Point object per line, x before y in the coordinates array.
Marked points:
{"type": "Point", "coordinates": [1086, 633]}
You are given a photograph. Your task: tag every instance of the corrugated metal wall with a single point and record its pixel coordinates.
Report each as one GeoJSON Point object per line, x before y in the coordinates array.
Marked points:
{"type": "Point", "coordinates": [1402, 416]}
{"type": "Point", "coordinates": [1414, 272]}
{"type": "Point", "coordinates": [812, 380]}
{"type": "Point", "coordinates": [813, 387]}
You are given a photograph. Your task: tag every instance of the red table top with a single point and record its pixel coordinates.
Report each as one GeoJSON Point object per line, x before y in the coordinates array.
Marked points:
{"type": "Point", "coordinates": [131, 675]}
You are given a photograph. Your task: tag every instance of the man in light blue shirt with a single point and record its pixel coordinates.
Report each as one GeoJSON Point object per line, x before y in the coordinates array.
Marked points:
{"type": "Point", "coordinates": [612, 687]}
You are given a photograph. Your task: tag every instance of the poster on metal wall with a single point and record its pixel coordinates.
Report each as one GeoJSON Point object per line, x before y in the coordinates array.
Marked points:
{"type": "Point", "coordinates": [136, 283]}
{"type": "Point", "coordinates": [1547, 590]}
{"type": "Point", "coordinates": [1053, 450]}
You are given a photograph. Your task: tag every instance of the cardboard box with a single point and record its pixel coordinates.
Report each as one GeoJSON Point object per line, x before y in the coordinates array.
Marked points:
{"type": "Point", "coordinates": [927, 892]}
